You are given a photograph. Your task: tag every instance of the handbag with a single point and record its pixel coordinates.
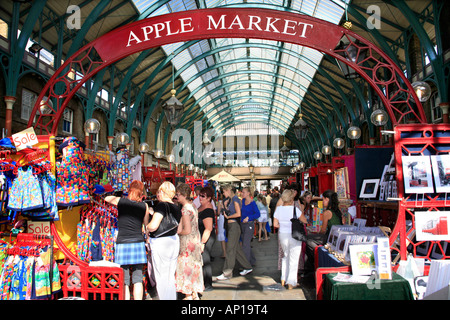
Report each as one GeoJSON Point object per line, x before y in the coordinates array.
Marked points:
{"type": "Point", "coordinates": [168, 223]}
{"type": "Point", "coordinates": [298, 228]}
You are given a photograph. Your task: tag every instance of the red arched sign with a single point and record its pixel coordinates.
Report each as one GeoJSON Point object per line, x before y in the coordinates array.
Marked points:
{"type": "Point", "coordinates": [376, 68]}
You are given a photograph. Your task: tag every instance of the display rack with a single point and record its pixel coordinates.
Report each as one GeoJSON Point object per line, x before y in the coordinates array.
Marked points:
{"type": "Point", "coordinates": [77, 277]}
{"type": "Point", "coordinates": [418, 140]}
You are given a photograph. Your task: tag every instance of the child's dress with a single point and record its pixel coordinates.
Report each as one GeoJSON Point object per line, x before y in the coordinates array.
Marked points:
{"type": "Point", "coordinates": [25, 193]}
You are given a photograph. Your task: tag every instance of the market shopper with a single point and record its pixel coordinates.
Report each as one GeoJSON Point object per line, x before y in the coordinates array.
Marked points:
{"type": "Point", "coordinates": [165, 247]}
{"type": "Point", "coordinates": [305, 204]}
{"type": "Point", "coordinates": [290, 246]}
{"type": "Point", "coordinates": [189, 273]}
{"type": "Point", "coordinates": [331, 216]}
{"type": "Point", "coordinates": [264, 216]}
{"type": "Point", "coordinates": [232, 214]}
{"type": "Point", "coordinates": [221, 237]}
{"type": "Point", "coordinates": [206, 216]}
{"type": "Point", "coordinates": [274, 197]}
{"type": "Point", "coordinates": [130, 244]}
{"type": "Point", "coordinates": [249, 214]}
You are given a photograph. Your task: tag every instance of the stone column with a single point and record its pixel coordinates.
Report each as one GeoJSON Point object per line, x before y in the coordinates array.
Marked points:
{"type": "Point", "coordinates": [110, 141]}
{"type": "Point", "coordinates": [8, 119]}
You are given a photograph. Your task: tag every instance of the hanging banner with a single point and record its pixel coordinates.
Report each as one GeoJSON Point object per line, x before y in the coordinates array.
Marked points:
{"type": "Point", "coordinates": [218, 23]}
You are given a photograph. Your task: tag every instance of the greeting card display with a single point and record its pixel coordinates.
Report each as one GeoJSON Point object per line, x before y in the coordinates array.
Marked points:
{"type": "Point", "coordinates": [334, 234]}
{"type": "Point", "coordinates": [363, 258]}
{"type": "Point", "coordinates": [417, 174]}
{"type": "Point", "coordinates": [342, 237]}
{"type": "Point", "coordinates": [383, 258]}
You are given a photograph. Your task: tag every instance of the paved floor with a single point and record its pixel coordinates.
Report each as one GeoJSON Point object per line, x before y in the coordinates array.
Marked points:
{"type": "Point", "coordinates": [257, 285]}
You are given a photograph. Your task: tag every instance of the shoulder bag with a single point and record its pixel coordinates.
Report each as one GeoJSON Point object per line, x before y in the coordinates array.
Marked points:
{"type": "Point", "coordinates": [298, 228]}
{"type": "Point", "coordinates": [168, 223]}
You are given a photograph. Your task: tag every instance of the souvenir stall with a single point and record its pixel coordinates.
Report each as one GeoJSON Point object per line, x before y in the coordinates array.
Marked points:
{"type": "Point", "coordinates": [28, 203]}
{"type": "Point", "coordinates": [401, 223]}
{"type": "Point", "coordinates": [152, 178]}
{"type": "Point", "coordinates": [52, 211]}
{"type": "Point", "coordinates": [324, 177]}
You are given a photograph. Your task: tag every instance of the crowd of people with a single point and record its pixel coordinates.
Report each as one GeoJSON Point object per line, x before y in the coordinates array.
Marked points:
{"type": "Point", "coordinates": [175, 237]}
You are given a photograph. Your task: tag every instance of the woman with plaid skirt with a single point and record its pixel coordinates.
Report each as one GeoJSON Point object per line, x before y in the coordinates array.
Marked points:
{"type": "Point", "coordinates": [130, 244]}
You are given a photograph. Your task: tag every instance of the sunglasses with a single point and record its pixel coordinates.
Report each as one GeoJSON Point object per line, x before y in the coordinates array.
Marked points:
{"type": "Point", "coordinates": [202, 195]}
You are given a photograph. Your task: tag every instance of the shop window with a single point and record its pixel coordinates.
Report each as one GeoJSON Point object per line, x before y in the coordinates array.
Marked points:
{"type": "Point", "coordinates": [436, 112]}
{"type": "Point", "coordinates": [28, 100]}
{"type": "Point", "coordinates": [94, 137]}
{"type": "Point", "coordinates": [67, 121]}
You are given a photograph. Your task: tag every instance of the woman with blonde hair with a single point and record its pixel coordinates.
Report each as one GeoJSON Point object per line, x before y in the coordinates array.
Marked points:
{"type": "Point", "coordinates": [290, 246]}
{"type": "Point", "coordinates": [130, 244]}
{"type": "Point", "coordinates": [165, 247]}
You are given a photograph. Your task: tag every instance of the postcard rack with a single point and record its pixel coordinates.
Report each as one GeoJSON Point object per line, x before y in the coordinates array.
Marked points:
{"type": "Point", "coordinates": [419, 140]}
{"type": "Point", "coordinates": [411, 140]}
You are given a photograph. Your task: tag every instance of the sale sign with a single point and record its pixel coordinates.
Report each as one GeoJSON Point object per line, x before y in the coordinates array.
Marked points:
{"type": "Point", "coordinates": [39, 227]}
{"type": "Point", "coordinates": [25, 139]}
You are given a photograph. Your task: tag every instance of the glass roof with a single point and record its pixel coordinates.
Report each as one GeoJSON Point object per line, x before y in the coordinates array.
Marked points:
{"type": "Point", "coordinates": [248, 80]}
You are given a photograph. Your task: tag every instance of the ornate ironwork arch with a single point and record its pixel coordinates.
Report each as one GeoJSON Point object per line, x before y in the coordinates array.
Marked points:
{"type": "Point", "coordinates": [394, 90]}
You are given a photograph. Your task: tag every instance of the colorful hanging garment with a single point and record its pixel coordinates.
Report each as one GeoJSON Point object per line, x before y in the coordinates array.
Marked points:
{"type": "Point", "coordinates": [97, 232]}
{"type": "Point", "coordinates": [122, 169]}
{"type": "Point", "coordinates": [25, 193]}
{"type": "Point", "coordinates": [72, 181]}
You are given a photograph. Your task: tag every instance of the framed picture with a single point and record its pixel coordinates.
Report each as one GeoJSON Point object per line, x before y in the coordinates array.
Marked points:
{"type": "Point", "coordinates": [417, 174]}
{"type": "Point", "coordinates": [441, 172]}
{"type": "Point", "coordinates": [341, 183]}
{"type": "Point", "coordinates": [369, 188]}
{"type": "Point", "coordinates": [362, 258]}
{"type": "Point", "coordinates": [432, 225]}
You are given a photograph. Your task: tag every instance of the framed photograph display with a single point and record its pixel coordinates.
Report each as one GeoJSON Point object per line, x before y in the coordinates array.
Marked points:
{"type": "Point", "coordinates": [362, 257]}
{"type": "Point", "coordinates": [432, 225]}
{"type": "Point", "coordinates": [341, 183]}
{"type": "Point", "coordinates": [441, 172]}
{"type": "Point", "coordinates": [417, 174]}
{"type": "Point", "coordinates": [369, 188]}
